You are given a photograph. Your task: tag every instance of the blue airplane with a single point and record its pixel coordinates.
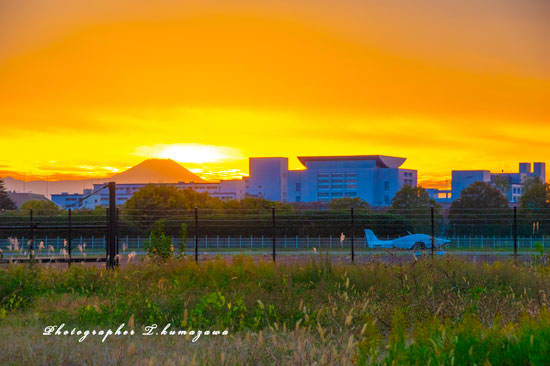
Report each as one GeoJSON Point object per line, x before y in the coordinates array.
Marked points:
{"type": "Point", "coordinates": [410, 242]}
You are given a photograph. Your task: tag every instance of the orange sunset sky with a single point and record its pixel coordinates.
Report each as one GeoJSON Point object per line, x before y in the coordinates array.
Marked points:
{"type": "Point", "coordinates": [91, 87]}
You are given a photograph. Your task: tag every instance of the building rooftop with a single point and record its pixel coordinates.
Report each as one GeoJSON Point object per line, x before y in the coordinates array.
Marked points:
{"type": "Point", "coordinates": [382, 161]}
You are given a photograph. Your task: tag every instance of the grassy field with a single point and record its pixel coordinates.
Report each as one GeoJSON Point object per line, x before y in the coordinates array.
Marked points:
{"type": "Point", "coordinates": [432, 312]}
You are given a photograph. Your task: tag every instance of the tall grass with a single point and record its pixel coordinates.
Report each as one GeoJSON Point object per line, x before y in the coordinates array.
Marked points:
{"type": "Point", "coordinates": [444, 311]}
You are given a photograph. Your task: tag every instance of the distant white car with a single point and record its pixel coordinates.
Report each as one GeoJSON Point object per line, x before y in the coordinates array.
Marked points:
{"type": "Point", "coordinates": [411, 241]}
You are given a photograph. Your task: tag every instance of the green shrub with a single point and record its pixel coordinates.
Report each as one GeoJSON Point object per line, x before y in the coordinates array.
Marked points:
{"type": "Point", "coordinates": [159, 245]}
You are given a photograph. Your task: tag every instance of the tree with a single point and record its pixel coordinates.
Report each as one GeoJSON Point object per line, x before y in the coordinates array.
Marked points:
{"type": "Point", "coordinates": [528, 181]}
{"type": "Point", "coordinates": [502, 184]}
{"type": "Point", "coordinates": [41, 207]}
{"type": "Point", "coordinates": [5, 201]}
{"type": "Point", "coordinates": [535, 195]}
{"type": "Point", "coordinates": [409, 197]}
{"type": "Point", "coordinates": [258, 204]}
{"type": "Point", "coordinates": [480, 209]}
{"type": "Point", "coordinates": [534, 214]}
{"type": "Point", "coordinates": [414, 205]}
{"type": "Point", "coordinates": [346, 203]}
{"type": "Point", "coordinates": [159, 245]}
{"type": "Point", "coordinates": [153, 203]}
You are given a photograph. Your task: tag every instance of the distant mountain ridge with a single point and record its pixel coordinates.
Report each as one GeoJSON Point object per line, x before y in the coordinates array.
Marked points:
{"type": "Point", "coordinates": [148, 171]}
{"type": "Point", "coordinates": [156, 171]}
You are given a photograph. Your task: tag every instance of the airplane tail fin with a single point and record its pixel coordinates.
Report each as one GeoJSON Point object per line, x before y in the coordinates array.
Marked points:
{"type": "Point", "coordinates": [371, 238]}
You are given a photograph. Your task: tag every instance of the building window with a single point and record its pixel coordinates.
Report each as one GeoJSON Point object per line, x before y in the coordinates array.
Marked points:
{"type": "Point", "coordinates": [337, 194]}
{"type": "Point", "coordinates": [322, 194]}
{"type": "Point", "coordinates": [297, 198]}
{"type": "Point", "coordinates": [337, 186]}
{"type": "Point", "coordinates": [351, 180]}
{"type": "Point", "coordinates": [322, 175]}
{"type": "Point", "coordinates": [386, 186]}
{"type": "Point", "coordinates": [323, 180]}
{"type": "Point", "coordinates": [298, 187]}
{"type": "Point", "coordinates": [351, 175]}
{"type": "Point", "coordinates": [324, 186]}
{"type": "Point", "coordinates": [351, 194]}
{"type": "Point", "coordinates": [337, 181]}
{"type": "Point", "coordinates": [351, 186]}
{"type": "Point", "coordinates": [337, 175]}
{"type": "Point", "coordinates": [387, 200]}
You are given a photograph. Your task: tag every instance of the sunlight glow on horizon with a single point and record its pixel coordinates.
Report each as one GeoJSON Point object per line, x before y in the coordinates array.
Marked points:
{"type": "Point", "coordinates": [190, 153]}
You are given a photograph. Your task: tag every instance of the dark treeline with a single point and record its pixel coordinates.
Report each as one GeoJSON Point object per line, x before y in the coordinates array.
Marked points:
{"type": "Point", "coordinates": [481, 210]}
{"type": "Point", "coordinates": [287, 222]}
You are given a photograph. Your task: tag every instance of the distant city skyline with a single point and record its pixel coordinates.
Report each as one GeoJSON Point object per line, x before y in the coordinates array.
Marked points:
{"type": "Point", "coordinates": [91, 178]}
{"type": "Point", "coordinates": [426, 180]}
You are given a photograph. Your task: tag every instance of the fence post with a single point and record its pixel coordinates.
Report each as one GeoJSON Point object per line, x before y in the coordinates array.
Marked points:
{"type": "Point", "coordinates": [70, 237]}
{"type": "Point", "coordinates": [352, 237]}
{"type": "Point", "coordinates": [433, 229]}
{"type": "Point", "coordinates": [31, 240]}
{"type": "Point", "coordinates": [111, 244]}
{"type": "Point", "coordinates": [515, 233]}
{"type": "Point", "coordinates": [274, 232]}
{"type": "Point", "coordinates": [196, 235]}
